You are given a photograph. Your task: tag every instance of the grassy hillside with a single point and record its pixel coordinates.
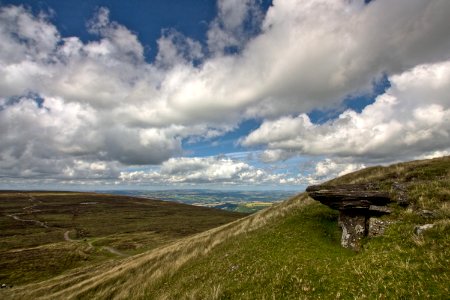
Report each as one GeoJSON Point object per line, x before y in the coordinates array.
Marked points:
{"type": "Point", "coordinates": [69, 230]}
{"type": "Point", "coordinates": [290, 251]}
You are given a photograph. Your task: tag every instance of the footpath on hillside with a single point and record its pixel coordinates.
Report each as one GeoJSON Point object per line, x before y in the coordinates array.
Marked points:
{"type": "Point", "coordinates": [107, 248]}
{"type": "Point", "coordinates": [29, 210]}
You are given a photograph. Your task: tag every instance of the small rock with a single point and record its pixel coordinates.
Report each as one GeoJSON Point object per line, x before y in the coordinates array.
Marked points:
{"type": "Point", "coordinates": [401, 194]}
{"type": "Point", "coordinates": [353, 230]}
{"type": "Point", "coordinates": [3, 286]}
{"type": "Point", "coordinates": [427, 213]}
{"type": "Point", "coordinates": [377, 227]}
{"type": "Point", "coordinates": [379, 210]}
{"type": "Point", "coordinates": [234, 267]}
{"type": "Point", "coordinates": [420, 229]}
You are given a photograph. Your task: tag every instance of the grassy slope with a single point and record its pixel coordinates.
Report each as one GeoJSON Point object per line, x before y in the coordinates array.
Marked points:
{"type": "Point", "coordinates": [130, 225]}
{"type": "Point", "coordinates": [290, 250]}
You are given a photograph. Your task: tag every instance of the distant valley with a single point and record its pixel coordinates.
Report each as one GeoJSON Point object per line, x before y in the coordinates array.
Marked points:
{"type": "Point", "coordinates": [238, 201]}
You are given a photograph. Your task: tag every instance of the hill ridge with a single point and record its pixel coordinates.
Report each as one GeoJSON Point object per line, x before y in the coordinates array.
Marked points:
{"type": "Point", "coordinates": [188, 247]}
{"type": "Point", "coordinates": [290, 250]}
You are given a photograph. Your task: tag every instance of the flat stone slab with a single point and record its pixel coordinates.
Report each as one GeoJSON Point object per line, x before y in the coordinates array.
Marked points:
{"type": "Point", "coordinates": [356, 204]}
{"type": "Point", "coordinates": [349, 196]}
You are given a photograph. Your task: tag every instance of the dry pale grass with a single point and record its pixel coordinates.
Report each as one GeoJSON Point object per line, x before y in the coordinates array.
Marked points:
{"type": "Point", "coordinates": [133, 276]}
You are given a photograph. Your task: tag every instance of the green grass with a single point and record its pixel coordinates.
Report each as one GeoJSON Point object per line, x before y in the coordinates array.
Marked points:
{"type": "Point", "coordinates": [300, 258]}
{"type": "Point", "coordinates": [273, 260]}
{"type": "Point", "coordinates": [288, 251]}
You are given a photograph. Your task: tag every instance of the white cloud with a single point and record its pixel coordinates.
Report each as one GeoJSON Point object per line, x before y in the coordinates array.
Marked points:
{"type": "Point", "coordinates": [291, 66]}
{"type": "Point", "coordinates": [206, 170]}
{"type": "Point", "coordinates": [236, 22]}
{"type": "Point", "coordinates": [102, 102]}
{"type": "Point", "coordinates": [174, 49]}
{"type": "Point", "coordinates": [274, 155]}
{"type": "Point", "coordinates": [411, 118]}
{"type": "Point", "coordinates": [117, 41]}
{"type": "Point", "coordinates": [327, 169]}
{"type": "Point", "coordinates": [434, 154]}
{"type": "Point", "coordinates": [313, 53]}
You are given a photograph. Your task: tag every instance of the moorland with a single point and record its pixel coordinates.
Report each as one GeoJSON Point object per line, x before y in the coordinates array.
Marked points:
{"type": "Point", "coordinates": [44, 234]}
{"type": "Point", "coordinates": [288, 251]}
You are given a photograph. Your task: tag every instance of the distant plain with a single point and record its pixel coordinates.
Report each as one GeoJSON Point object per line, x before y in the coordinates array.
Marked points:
{"type": "Point", "coordinates": [232, 200]}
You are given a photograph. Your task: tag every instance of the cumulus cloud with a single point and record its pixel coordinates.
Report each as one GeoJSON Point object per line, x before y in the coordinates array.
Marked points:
{"type": "Point", "coordinates": [174, 49]}
{"type": "Point", "coordinates": [37, 144]}
{"type": "Point", "coordinates": [117, 41]}
{"type": "Point", "coordinates": [434, 154]}
{"type": "Point", "coordinates": [411, 118]}
{"type": "Point", "coordinates": [206, 170]}
{"type": "Point", "coordinates": [330, 168]}
{"type": "Point", "coordinates": [237, 21]}
{"type": "Point", "coordinates": [313, 53]}
{"type": "Point", "coordinates": [63, 100]}
{"type": "Point", "coordinates": [274, 155]}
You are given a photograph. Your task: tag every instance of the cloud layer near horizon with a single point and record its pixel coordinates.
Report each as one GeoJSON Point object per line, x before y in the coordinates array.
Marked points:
{"type": "Point", "coordinates": [73, 109]}
{"type": "Point", "coordinates": [209, 170]}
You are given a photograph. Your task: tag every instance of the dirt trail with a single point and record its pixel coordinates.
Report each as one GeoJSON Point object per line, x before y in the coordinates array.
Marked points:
{"type": "Point", "coordinates": [28, 211]}
{"type": "Point", "coordinates": [15, 217]}
{"type": "Point", "coordinates": [114, 251]}
{"type": "Point", "coordinates": [91, 246]}
{"type": "Point", "coordinates": [67, 237]}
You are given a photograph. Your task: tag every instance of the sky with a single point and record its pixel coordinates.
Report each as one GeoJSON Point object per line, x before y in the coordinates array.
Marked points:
{"type": "Point", "coordinates": [227, 94]}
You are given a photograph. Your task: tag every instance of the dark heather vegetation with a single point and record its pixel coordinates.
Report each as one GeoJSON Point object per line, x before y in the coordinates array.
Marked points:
{"type": "Point", "coordinates": [289, 251]}
{"type": "Point", "coordinates": [44, 234]}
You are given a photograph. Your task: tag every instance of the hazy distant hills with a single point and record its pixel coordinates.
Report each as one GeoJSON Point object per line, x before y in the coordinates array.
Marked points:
{"type": "Point", "coordinates": [239, 201]}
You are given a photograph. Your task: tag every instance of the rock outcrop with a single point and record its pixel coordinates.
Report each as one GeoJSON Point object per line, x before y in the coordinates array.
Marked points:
{"type": "Point", "coordinates": [357, 203]}
{"type": "Point", "coordinates": [418, 230]}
